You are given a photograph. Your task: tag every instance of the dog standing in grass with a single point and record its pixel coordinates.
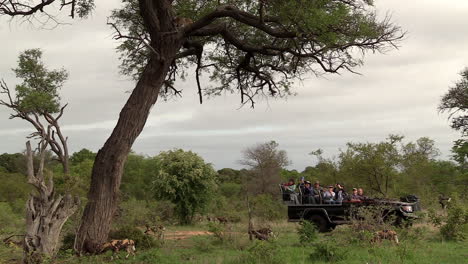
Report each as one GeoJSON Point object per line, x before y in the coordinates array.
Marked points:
{"type": "Point", "coordinates": [385, 235]}
{"type": "Point", "coordinates": [117, 245]}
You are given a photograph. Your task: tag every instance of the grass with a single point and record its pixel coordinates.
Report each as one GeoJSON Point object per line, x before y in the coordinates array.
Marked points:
{"type": "Point", "coordinates": [418, 245]}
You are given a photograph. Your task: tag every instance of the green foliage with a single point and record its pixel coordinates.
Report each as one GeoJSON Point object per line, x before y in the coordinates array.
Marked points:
{"type": "Point", "coordinates": [39, 90]}
{"type": "Point", "coordinates": [13, 187]}
{"type": "Point", "coordinates": [328, 251]}
{"type": "Point", "coordinates": [373, 165]}
{"type": "Point", "coordinates": [142, 241]}
{"type": "Point", "coordinates": [460, 152]}
{"type": "Point", "coordinates": [186, 180]}
{"type": "Point", "coordinates": [264, 252]}
{"type": "Point", "coordinates": [308, 233]}
{"type": "Point", "coordinates": [10, 223]}
{"type": "Point", "coordinates": [141, 213]}
{"type": "Point", "coordinates": [13, 163]}
{"type": "Point", "coordinates": [328, 29]}
{"type": "Point", "coordinates": [268, 208]}
{"type": "Point", "coordinates": [82, 155]}
{"type": "Point", "coordinates": [456, 226]}
{"type": "Point", "coordinates": [138, 176]}
{"type": "Point", "coordinates": [455, 101]}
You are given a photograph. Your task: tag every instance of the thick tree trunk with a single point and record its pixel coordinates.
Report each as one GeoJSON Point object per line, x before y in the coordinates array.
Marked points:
{"type": "Point", "coordinates": [45, 214]}
{"type": "Point", "coordinates": [109, 162]}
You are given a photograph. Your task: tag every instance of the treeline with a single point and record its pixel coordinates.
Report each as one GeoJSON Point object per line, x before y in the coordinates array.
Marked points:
{"type": "Point", "coordinates": [180, 186]}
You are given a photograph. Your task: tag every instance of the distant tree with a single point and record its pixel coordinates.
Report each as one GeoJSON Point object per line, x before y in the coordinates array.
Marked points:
{"type": "Point", "coordinates": [372, 165]}
{"type": "Point", "coordinates": [13, 163]}
{"type": "Point", "coordinates": [254, 48]}
{"type": "Point", "coordinates": [186, 180]}
{"type": "Point", "coordinates": [266, 162]}
{"type": "Point", "coordinates": [326, 169]}
{"type": "Point", "coordinates": [82, 155]}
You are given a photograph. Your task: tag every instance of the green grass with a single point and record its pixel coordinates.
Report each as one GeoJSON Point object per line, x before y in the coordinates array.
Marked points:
{"type": "Point", "coordinates": [237, 249]}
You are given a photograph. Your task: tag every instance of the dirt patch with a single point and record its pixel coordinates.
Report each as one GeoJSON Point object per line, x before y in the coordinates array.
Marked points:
{"type": "Point", "coordinates": [179, 235]}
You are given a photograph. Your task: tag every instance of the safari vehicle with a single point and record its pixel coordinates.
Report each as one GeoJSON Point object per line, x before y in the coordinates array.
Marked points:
{"type": "Point", "coordinates": [327, 216]}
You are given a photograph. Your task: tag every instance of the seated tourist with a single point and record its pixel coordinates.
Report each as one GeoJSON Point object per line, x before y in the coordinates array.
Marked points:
{"type": "Point", "coordinates": [329, 195]}
{"type": "Point", "coordinates": [354, 197]}
{"type": "Point", "coordinates": [360, 192]}
{"type": "Point", "coordinates": [290, 186]}
{"type": "Point", "coordinates": [317, 192]}
{"type": "Point", "coordinates": [340, 193]}
{"type": "Point", "coordinates": [307, 194]}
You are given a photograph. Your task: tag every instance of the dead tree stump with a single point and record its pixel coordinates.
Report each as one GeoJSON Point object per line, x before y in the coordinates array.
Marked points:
{"type": "Point", "coordinates": [46, 212]}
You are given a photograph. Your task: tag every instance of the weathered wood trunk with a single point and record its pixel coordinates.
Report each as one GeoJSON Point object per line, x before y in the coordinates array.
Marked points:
{"type": "Point", "coordinates": [109, 162]}
{"type": "Point", "coordinates": [45, 213]}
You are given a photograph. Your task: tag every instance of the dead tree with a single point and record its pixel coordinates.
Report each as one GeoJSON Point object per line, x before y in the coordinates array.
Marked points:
{"type": "Point", "coordinates": [46, 212]}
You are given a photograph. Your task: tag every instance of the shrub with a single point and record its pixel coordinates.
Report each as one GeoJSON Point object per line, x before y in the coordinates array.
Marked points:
{"type": "Point", "coordinates": [264, 252]}
{"type": "Point", "coordinates": [456, 227]}
{"type": "Point", "coordinates": [307, 233]}
{"type": "Point", "coordinates": [142, 241]}
{"type": "Point", "coordinates": [268, 208]}
{"type": "Point", "coordinates": [327, 251]}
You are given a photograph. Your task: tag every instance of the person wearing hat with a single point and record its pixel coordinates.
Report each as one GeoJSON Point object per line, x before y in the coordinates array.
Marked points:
{"type": "Point", "coordinates": [329, 195]}
{"type": "Point", "coordinates": [317, 192]}
{"type": "Point", "coordinates": [307, 197]}
{"type": "Point", "coordinates": [355, 196]}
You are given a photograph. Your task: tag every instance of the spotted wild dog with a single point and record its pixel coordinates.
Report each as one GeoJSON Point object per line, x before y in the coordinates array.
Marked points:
{"type": "Point", "coordinates": [222, 220]}
{"type": "Point", "coordinates": [117, 245]}
{"type": "Point", "coordinates": [385, 235]}
{"type": "Point", "coordinates": [262, 234]}
{"type": "Point", "coordinates": [158, 231]}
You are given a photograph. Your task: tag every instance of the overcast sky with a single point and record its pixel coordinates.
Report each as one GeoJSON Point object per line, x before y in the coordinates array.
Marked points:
{"type": "Point", "coordinates": [397, 93]}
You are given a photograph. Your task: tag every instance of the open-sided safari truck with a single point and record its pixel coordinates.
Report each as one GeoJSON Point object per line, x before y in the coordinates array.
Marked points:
{"type": "Point", "coordinates": [327, 216]}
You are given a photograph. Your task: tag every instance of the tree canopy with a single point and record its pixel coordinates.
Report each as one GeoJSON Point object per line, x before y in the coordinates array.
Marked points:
{"type": "Point", "coordinates": [256, 47]}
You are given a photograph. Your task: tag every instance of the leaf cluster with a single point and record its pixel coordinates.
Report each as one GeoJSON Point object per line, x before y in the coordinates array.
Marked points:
{"type": "Point", "coordinates": [39, 91]}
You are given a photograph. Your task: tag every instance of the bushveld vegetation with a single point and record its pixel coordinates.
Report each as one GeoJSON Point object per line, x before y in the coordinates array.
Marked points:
{"type": "Point", "coordinates": [411, 168]}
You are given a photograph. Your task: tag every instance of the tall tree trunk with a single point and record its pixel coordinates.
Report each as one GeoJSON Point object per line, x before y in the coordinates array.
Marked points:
{"type": "Point", "coordinates": [166, 41]}
{"type": "Point", "coordinates": [110, 159]}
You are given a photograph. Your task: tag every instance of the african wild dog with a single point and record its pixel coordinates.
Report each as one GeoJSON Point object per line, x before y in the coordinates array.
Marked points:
{"type": "Point", "coordinates": [158, 231]}
{"type": "Point", "coordinates": [117, 245]}
{"type": "Point", "coordinates": [262, 234]}
{"type": "Point", "coordinates": [385, 234]}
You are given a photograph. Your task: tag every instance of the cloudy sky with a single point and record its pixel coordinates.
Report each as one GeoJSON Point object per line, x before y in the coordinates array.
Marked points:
{"type": "Point", "coordinates": [397, 93]}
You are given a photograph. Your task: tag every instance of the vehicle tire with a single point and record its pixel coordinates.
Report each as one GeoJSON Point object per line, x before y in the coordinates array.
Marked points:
{"type": "Point", "coordinates": [321, 223]}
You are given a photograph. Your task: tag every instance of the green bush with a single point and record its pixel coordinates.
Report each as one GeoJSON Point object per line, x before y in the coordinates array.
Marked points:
{"type": "Point", "coordinates": [264, 252]}
{"type": "Point", "coordinates": [456, 227]}
{"type": "Point", "coordinates": [327, 251]}
{"type": "Point", "coordinates": [142, 241]}
{"type": "Point", "coordinates": [307, 233]}
{"type": "Point", "coordinates": [9, 221]}
{"type": "Point", "coordinates": [268, 208]}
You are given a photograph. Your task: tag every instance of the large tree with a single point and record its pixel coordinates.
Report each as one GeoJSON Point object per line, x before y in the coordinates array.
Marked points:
{"type": "Point", "coordinates": [455, 102]}
{"type": "Point", "coordinates": [250, 47]}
